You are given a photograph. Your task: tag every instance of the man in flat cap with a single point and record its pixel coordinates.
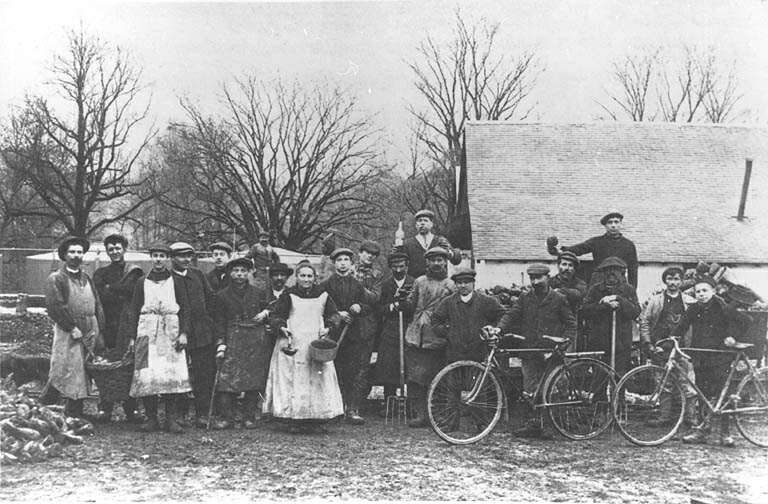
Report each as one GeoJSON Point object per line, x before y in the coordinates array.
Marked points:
{"type": "Point", "coordinates": [394, 289]}
{"type": "Point", "coordinates": [612, 295]}
{"type": "Point", "coordinates": [354, 355]}
{"type": "Point", "coordinates": [197, 297]}
{"type": "Point", "coordinates": [572, 287]}
{"type": "Point", "coordinates": [218, 278]}
{"type": "Point", "coordinates": [425, 350]}
{"type": "Point", "coordinates": [115, 283]}
{"type": "Point", "coordinates": [540, 311]}
{"type": "Point", "coordinates": [460, 317]}
{"type": "Point", "coordinates": [610, 244]}
{"type": "Point", "coordinates": [279, 273]}
{"type": "Point", "coordinates": [367, 273]}
{"type": "Point", "coordinates": [425, 240]}
{"type": "Point", "coordinates": [73, 305]}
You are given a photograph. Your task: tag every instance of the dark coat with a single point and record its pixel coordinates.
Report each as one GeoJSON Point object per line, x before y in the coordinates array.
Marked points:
{"type": "Point", "coordinates": [601, 319]}
{"type": "Point", "coordinates": [197, 296]}
{"type": "Point", "coordinates": [236, 305]}
{"type": "Point", "coordinates": [371, 279]}
{"type": "Point", "coordinates": [115, 283]}
{"type": "Point", "coordinates": [417, 265]}
{"type": "Point", "coordinates": [574, 289]}
{"type": "Point", "coordinates": [217, 279]}
{"type": "Point", "coordinates": [551, 316]}
{"type": "Point", "coordinates": [387, 369]}
{"type": "Point", "coordinates": [604, 246]}
{"type": "Point", "coordinates": [460, 324]}
{"type": "Point", "coordinates": [346, 291]}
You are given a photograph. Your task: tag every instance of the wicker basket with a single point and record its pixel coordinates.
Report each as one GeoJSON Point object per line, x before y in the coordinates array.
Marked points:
{"type": "Point", "coordinates": [113, 378]}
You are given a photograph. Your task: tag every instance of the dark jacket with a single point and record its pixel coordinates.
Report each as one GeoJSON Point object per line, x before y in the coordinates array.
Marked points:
{"type": "Point", "coordinates": [346, 291]}
{"type": "Point", "coordinates": [197, 295]}
{"type": "Point", "coordinates": [57, 297]}
{"type": "Point", "coordinates": [574, 289]}
{"type": "Point", "coordinates": [371, 278]}
{"type": "Point", "coordinates": [600, 315]}
{"type": "Point", "coordinates": [460, 324]}
{"type": "Point", "coordinates": [551, 316]}
{"type": "Point", "coordinates": [217, 279]}
{"type": "Point", "coordinates": [390, 331]}
{"type": "Point", "coordinates": [605, 246]}
{"type": "Point", "coordinates": [236, 305]}
{"type": "Point", "coordinates": [128, 330]}
{"type": "Point", "coordinates": [417, 265]}
{"type": "Point", "coordinates": [115, 283]}
{"type": "Point", "coordinates": [711, 323]}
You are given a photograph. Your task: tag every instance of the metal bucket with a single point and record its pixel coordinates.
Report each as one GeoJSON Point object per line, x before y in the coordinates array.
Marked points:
{"type": "Point", "coordinates": [323, 350]}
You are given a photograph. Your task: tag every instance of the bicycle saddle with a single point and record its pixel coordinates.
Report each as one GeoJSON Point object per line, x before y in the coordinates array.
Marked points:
{"type": "Point", "coordinates": [555, 339]}
{"type": "Point", "coordinates": [741, 346]}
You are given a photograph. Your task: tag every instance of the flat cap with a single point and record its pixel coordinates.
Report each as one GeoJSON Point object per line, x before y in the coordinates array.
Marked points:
{"type": "Point", "coordinates": [280, 268]}
{"type": "Point", "coordinates": [672, 270]}
{"type": "Point", "coordinates": [537, 269]}
{"type": "Point", "coordinates": [159, 247]}
{"type": "Point", "coordinates": [705, 279]}
{"type": "Point", "coordinates": [610, 215]}
{"type": "Point", "coordinates": [568, 256]}
{"type": "Point", "coordinates": [341, 251]}
{"type": "Point", "coordinates": [436, 252]}
{"type": "Point", "coordinates": [397, 255]}
{"type": "Point", "coordinates": [72, 240]}
{"type": "Point", "coordinates": [115, 238]}
{"type": "Point", "coordinates": [463, 273]}
{"type": "Point", "coordinates": [245, 262]}
{"type": "Point", "coordinates": [425, 213]}
{"type": "Point", "coordinates": [181, 248]}
{"type": "Point", "coordinates": [371, 247]}
{"type": "Point", "coordinates": [611, 262]}
{"type": "Point", "coordinates": [226, 247]}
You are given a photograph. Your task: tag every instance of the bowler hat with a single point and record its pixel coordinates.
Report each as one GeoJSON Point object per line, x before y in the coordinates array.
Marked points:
{"type": "Point", "coordinates": [159, 247]}
{"type": "Point", "coordinates": [463, 274]}
{"type": "Point", "coordinates": [425, 213]}
{"type": "Point", "coordinates": [226, 247]}
{"type": "Point", "coordinates": [280, 268]}
{"type": "Point", "coordinates": [611, 215]}
{"type": "Point", "coordinates": [568, 256]}
{"type": "Point", "coordinates": [116, 238]}
{"type": "Point", "coordinates": [72, 240]}
{"type": "Point", "coordinates": [179, 248]}
{"type": "Point", "coordinates": [537, 269]}
{"type": "Point", "coordinates": [341, 251]}
{"type": "Point", "coordinates": [240, 261]}
{"type": "Point", "coordinates": [611, 262]}
{"type": "Point", "coordinates": [436, 252]}
{"type": "Point", "coordinates": [371, 247]}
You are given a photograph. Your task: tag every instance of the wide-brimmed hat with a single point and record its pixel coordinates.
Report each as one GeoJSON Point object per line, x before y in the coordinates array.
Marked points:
{"type": "Point", "coordinates": [436, 252]}
{"type": "Point", "coordinates": [115, 238]}
{"type": "Point", "coordinates": [226, 247]}
{"type": "Point", "coordinates": [537, 269]}
{"type": "Point", "coordinates": [72, 240]}
{"type": "Point", "coordinates": [341, 251]}
{"type": "Point", "coordinates": [245, 262]}
{"type": "Point", "coordinates": [463, 274]}
{"type": "Point", "coordinates": [425, 213]}
{"type": "Point", "coordinates": [611, 262]}
{"type": "Point", "coordinates": [179, 248]}
{"type": "Point", "coordinates": [280, 268]}
{"type": "Point", "coordinates": [611, 215]}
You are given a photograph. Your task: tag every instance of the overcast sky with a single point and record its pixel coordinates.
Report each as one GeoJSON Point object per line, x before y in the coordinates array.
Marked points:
{"type": "Point", "coordinates": [191, 48]}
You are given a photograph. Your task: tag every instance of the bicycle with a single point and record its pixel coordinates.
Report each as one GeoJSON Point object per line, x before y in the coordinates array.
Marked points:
{"type": "Point", "coordinates": [640, 392]}
{"type": "Point", "coordinates": [466, 398]}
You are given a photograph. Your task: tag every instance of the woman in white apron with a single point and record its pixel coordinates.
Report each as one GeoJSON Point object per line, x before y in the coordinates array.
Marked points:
{"type": "Point", "coordinates": [160, 339]}
{"type": "Point", "coordinates": [298, 388]}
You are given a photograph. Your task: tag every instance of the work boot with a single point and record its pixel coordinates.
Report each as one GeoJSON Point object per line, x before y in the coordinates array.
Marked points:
{"type": "Point", "coordinates": [698, 434]}
{"type": "Point", "coordinates": [665, 413]}
{"type": "Point", "coordinates": [226, 408]}
{"type": "Point", "coordinates": [150, 406]}
{"type": "Point", "coordinates": [151, 424]}
{"type": "Point", "coordinates": [353, 417]}
{"type": "Point", "coordinates": [104, 414]}
{"type": "Point", "coordinates": [531, 429]}
{"type": "Point", "coordinates": [725, 432]}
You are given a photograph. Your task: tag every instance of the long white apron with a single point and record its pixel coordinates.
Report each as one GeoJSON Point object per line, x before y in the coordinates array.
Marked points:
{"type": "Point", "coordinates": [298, 387]}
{"type": "Point", "coordinates": [159, 368]}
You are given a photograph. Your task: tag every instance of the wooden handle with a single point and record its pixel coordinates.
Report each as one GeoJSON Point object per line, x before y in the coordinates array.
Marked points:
{"type": "Point", "coordinates": [343, 333]}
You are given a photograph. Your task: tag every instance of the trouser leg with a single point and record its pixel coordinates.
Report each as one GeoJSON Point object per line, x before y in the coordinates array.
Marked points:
{"type": "Point", "coordinates": [250, 404]}
{"type": "Point", "coordinates": [150, 406]}
{"type": "Point", "coordinates": [203, 372]}
{"type": "Point", "coordinates": [74, 407]}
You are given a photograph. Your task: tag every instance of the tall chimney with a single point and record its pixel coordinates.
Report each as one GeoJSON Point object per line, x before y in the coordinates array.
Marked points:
{"type": "Point", "coordinates": [744, 190]}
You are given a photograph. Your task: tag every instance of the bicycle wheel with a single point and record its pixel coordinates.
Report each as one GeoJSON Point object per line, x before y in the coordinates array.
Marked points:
{"type": "Point", "coordinates": [753, 393]}
{"type": "Point", "coordinates": [578, 397]}
{"type": "Point", "coordinates": [648, 409]}
{"type": "Point", "coordinates": [463, 408]}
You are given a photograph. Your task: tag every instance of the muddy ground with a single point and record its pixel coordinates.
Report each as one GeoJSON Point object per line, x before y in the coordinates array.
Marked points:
{"type": "Point", "coordinates": [378, 461]}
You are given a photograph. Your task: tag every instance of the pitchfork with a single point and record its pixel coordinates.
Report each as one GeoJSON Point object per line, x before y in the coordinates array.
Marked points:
{"type": "Point", "coordinates": [397, 405]}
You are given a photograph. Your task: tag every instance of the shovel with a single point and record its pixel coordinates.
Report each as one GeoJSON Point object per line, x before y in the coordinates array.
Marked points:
{"type": "Point", "coordinates": [213, 397]}
{"type": "Point", "coordinates": [397, 405]}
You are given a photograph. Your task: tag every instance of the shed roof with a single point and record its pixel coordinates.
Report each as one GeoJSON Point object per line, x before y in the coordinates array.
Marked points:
{"type": "Point", "coordinates": [678, 186]}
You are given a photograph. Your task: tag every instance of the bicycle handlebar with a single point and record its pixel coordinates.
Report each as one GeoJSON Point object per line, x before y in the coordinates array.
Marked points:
{"type": "Point", "coordinates": [677, 346]}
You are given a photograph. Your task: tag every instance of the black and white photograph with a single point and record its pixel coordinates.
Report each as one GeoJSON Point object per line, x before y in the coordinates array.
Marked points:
{"type": "Point", "coordinates": [384, 250]}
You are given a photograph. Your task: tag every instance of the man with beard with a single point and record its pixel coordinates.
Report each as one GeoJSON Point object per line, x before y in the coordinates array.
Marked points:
{"type": "Point", "coordinates": [73, 305]}
{"type": "Point", "coordinates": [610, 244]}
{"type": "Point", "coordinates": [611, 295]}
{"type": "Point", "coordinates": [394, 289]}
{"type": "Point", "coordinates": [567, 283]}
{"type": "Point", "coordinates": [115, 283]}
{"type": "Point", "coordinates": [354, 353]}
{"type": "Point", "coordinates": [540, 311]}
{"type": "Point", "coordinates": [425, 350]}
{"type": "Point", "coordinates": [218, 277]}
{"type": "Point", "coordinates": [197, 297]}
{"type": "Point", "coordinates": [425, 240]}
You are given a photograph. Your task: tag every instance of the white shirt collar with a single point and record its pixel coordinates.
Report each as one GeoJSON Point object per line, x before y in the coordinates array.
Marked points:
{"type": "Point", "coordinates": [182, 273]}
{"type": "Point", "coordinates": [467, 297]}
{"type": "Point", "coordinates": [425, 240]}
{"type": "Point", "coordinates": [72, 271]}
{"type": "Point", "coordinates": [399, 283]}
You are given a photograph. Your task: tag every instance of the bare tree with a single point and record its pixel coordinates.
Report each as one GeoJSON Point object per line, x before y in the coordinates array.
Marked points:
{"type": "Point", "coordinates": [655, 85]}
{"type": "Point", "coordinates": [281, 158]}
{"type": "Point", "coordinates": [470, 78]}
{"type": "Point", "coordinates": [72, 147]}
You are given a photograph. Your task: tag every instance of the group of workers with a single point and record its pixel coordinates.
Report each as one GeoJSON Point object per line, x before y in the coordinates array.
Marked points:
{"type": "Point", "coordinates": [240, 338]}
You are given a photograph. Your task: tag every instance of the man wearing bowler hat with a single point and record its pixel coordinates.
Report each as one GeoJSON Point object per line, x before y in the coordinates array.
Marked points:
{"type": "Point", "coordinates": [218, 277]}
{"type": "Point", "coordinates": [610, 244]}
{"type": "Point", "coordinates": [425, 240]}
{"type": "Point", "coordinates": [73, 305]}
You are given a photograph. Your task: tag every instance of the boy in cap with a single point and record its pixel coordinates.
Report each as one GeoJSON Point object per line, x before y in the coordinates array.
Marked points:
{"type": "Point", "coordinates": [610, 244]}
{"type": "Point", "coordinates": [197, 297]}
{"type": "Point", "coordinates": [115, 283]}
{"type": "Point", "coordinates": [73, 305]}
{"type": "Point", "coordinates": [612, 295]}
{"type": "Point", "coordinates": [354, 355]}
{"type": "Point", "coordinates": [539, 311]}
{"type": "Point", "coordinates": [218, 278]}
{"type": "Point", "coordinates": [460, 317]}
{"type": "Point", "coordinates": [425, 350]}
{"type": "Point", "coordinates": [713, 325]}
{"type": "Point", "coordinates": [243, 349]}
{"type": "Point", "coordinates": [423, 241]}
